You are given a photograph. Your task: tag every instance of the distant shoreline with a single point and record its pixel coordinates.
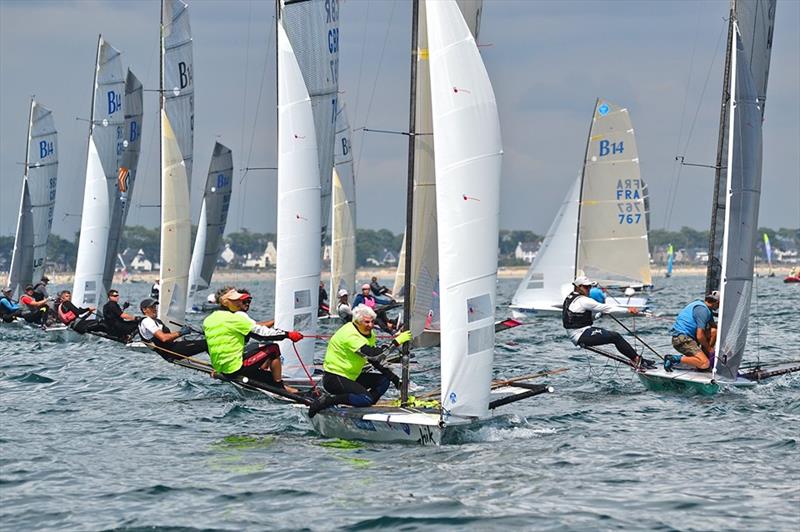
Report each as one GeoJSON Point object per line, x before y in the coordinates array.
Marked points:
{"type": "Point", "coordinates": [386, 275]}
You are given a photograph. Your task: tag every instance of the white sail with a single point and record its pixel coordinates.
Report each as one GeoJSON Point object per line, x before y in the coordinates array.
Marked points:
{"type": "Point", "coordinates": [312, 27]}
{"type": "Point", "coordinates": [743, 192]}
{"type": "Point", "coordinates": [298, 264]}
{"type": "Point", "coordinates": [549, 279]}
{"type": "Point", "coordinates": [468, 162]}
{"type": "Point", "coordinates": [37, 200]}
{"type": "Point", "coordinates": [177, 140]}
{"type": "Point", "coordinates": [122, 187]}
{"type": "Point", "coordinates": [178, 77]}
{"type": "Point", "coordinates": [424, 256]}
{"type": "Point", "coordinates": [213, 217]}
{"type": "Point", "coordinates": [104, 155]}
{"type": "Point", "coordinates": [343, 224]}
{"type": "Point", "coordinates": [612, 222]}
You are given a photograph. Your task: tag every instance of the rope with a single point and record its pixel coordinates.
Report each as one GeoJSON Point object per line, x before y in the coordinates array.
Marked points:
{"type": "Point", "coordinates": [310, 379]}
{"type": "Point", "coordinates": [155, 347]}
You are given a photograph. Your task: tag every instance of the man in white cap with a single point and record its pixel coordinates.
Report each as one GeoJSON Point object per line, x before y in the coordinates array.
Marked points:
{"type": "Point", "coordinates": [577, 316]}
{"type": "Point", "coordinates": [343, 308]}
{"type": "Point", "coordinates": [694, 334]}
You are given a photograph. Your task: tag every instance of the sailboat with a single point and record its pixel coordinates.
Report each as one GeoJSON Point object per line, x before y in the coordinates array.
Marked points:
{"type": "Point", "coordinates": [176, 105]}
{"type": "Point", "coordinates": [466, 132]}
{"type": "Point", "coordinates": [210, 228]}
{"type": "Point", "coordinates": [37, 200]}
{"type": "Point", "coordinates": [768, 253]}
{"type": "Point", "coordinates": [737, 191]}
{"type": "Point", "coordinates": [670, 260]}
{"type": "Point", "coordinates": [343, 224]}
{"type": "Point", "coordinates": [600, 229]}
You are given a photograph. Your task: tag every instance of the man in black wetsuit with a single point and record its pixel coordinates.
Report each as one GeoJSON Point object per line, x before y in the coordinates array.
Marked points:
{"type": "Point", "coordinates": [119, 325]}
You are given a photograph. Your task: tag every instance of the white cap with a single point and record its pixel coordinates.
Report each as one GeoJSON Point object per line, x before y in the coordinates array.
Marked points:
{"type": "Point", "coordinates": [342, 292]}
{"type": "Point", "coordinates": [582, 280]}
{"type": "Point", "coordinates": [630, 291]}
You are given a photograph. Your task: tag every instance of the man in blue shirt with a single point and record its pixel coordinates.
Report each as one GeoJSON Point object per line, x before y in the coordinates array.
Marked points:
{"type": "Point", "coordinates": [694, 334]}
{"type": "Point", "coordinates": [598, 294]}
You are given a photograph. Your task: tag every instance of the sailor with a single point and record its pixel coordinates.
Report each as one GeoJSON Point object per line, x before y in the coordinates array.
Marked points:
{"type": "Point", "coordinates": [166, 342]}
{"type": "Point", "coordinates": [225, 331]}
{"type": "Point", "coordinates": [577, 316]}
{"type": "Point", "coordinates": [118, 324]}
{"type": "Point", "coordinates": [343, 308]}
{"type": "Point", "coordinates": [9, 309]}
{"type": "Point", "coordinates": [598, 294]}
{"type": "Point", "coordinates": [353, 345]}
{"type": "Point", "coordinates": [694, 334]}
{"type": "Point", "coordinates": [37, 310]}
{"type": "Point", "coordinates": [40, 289]}
{"type": "Point", "coordinates": [365, 298]}
{"type": "Point", "coordinates": [74, 316]}
{"type": "Point", "coordinates": [155, 289]}
{"type": "Point", "coordinates": [323, 308]}
{"type": "Point", "coordinates": [378, 289]}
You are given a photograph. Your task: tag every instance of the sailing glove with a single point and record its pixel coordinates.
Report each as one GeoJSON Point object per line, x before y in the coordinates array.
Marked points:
{"type": "Point", "coordinates": [294, 336]}
{"type": "Point", "coordinates": [402, 338]}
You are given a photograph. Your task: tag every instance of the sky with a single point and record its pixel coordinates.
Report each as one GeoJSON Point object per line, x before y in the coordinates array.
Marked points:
{"type": "Point", "coordinates": [548, 62]}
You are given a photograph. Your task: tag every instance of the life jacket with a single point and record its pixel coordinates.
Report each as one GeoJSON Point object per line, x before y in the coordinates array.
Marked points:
{"type": "Point", "coordinates": [370, 302]}
{"type": "Point", "coordinates": [37, 294]}
{"type": "Point", "coordinates": [575, 320]}
{"type": "Point", "coordinates": [66, 317]}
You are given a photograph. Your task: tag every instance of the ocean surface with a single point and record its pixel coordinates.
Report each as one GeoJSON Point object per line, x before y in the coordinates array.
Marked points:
{"type": "Point", "coordinates": [95, 437]}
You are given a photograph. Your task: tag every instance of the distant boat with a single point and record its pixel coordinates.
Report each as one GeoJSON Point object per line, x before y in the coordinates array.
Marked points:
{"type": "Point", "coordinates": [736, 197]}
{"type": "Point", "coordinates": [176, 104]}
{"type": "Point", "coordinates": [211, 226]}
{"type": "Point", "coordinates": [601, 228]}
{"type": "Point", "coordinates": [670, 259]}
{"type": "Point", "coordinates": [768, 253]}
{"type": "Point", "coordinates": [39, 180]}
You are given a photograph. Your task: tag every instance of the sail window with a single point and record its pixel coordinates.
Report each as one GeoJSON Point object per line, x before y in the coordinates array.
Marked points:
{"type": "Point", "coordinates": [302, 299]}
{"type": "Point", "coordinates": [480, 340]}
{"type": "Point", "coordinates": [479, 308]}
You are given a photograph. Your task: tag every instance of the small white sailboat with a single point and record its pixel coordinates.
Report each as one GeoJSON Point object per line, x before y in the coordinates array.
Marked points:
{"type": "Point", "coordinates": [37, 200]}
{"type": "Point", "coordinates": [601, 228]}
{"type": "Point", "coordinates": [466, 132]}
{"type": "Point", "coordinates": [736, 201]}
{"type": "Point", "coordinates": [343, 223]}
{"type": "Point", "coordinates": [177, 141]}
{"type": "Point", "coordinates": [213, 217]}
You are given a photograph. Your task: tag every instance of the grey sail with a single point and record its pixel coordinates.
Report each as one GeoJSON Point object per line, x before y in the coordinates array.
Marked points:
{"type": "Point", "coordinates": [313, 30]}
{"type": "Point", "coordinates": [213, 218]}
{"type": "Point", "coordinates": [121, 188]}
{"type": "Point", "coordinates": [756, 21]}
{"type": "Point", "coordinates": [343, 221]}
{"type": "Point", "coordinates": [743, 192]}
{"type": "Point", "coordinates": [37, 201]}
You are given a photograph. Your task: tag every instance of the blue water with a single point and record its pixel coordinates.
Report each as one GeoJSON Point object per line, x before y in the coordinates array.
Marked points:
{"type": "Point", "coordinates": [95, 437]}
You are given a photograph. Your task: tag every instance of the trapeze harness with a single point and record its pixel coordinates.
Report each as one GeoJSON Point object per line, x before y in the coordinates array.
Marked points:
{"type": "Point", "coordinates": [575, 320]}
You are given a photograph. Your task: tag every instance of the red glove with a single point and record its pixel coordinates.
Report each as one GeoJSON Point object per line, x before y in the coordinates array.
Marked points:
{"type": "Point", "coordinates": [294, 336]}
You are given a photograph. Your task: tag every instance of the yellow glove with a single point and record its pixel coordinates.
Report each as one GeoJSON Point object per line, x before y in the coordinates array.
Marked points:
{"type": "Point", "coordinates": [402, 338]}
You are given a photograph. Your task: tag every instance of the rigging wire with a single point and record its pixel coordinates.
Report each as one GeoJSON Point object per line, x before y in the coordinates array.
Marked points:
{"type": "Point", "coordinates": [243, 163]}
{"type": "Point", "coordinates": [694, 122]}
{"type": "Point", "coordinates": [361, 62]}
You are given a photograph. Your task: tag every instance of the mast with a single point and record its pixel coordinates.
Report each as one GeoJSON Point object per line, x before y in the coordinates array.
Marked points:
{"type": "Point", "coordinates": [714, 268]}
{"type": "Point", "coordinates": [412, 125]}
{"type": "Point", "coordinates": [580, 192]}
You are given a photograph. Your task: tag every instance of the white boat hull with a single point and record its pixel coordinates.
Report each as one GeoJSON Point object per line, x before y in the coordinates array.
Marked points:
{"type": "Point", "coordinates": [62, 333]}
{"type": "Point", "coordinates": [380, 424]}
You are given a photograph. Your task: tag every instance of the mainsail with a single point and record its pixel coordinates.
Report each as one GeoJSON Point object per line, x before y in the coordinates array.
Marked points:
{"type": "Point", "coordinates": [343, 227]}
{"type": "Point", "coordinates": [466, 131]}
{"type": "Point", "coordinates": [104, 154]}
{"type": "Point", "coordinates": [37, 200]}
{"type": "Point", "coordinates": [122, 187]}
{"type": "Point", "coordinates": [612, 221]}
{"type": "Point", "coordinates": [177, 131]}
{"type": "Point", "coordinates": [549, 279]}
{"type": "Point", "coordinates": [312, 27]}
{"type": "Point", "coordinates": [743, 192]}
{"type": "Point", "coordinates": [213, 217]}
{"type": "Point", "coordinates": [424, 256]}
{"type": "Point", "coordinates": [768, 251]}
{"type": "Point", "coordinates": [298, 264]}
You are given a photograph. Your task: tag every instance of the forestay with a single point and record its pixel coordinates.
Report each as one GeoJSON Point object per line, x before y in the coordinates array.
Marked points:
{"type": "Point", "coordinates": [37, 200]}
{"type": "Point", "coordinates": [549, 279]}
{"type": "Point", "coordinates": [468, 161]}
{"type": "Point", "coordinates": [312, 27]}
{"type": "Point", "coordinates": [343, 228]}
{"type": "Point", "coordinates": [122, 186]}
{"type": "Point", "coordinates": [213, 217]}
{"type": "Point", "coordinates": [104, 155]}
{"type": "Point", "coordinates": [298, 264]}
{"type": "Point", "coordinates": [741, 213]}
{"type": "Point", "coordinates": [612, 222]}
{"type": "Point", "coordinates": [177, 132]}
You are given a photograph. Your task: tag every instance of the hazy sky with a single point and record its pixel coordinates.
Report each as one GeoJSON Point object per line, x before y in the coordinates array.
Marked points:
{"type": "Point", "coordinates": [548, 61]}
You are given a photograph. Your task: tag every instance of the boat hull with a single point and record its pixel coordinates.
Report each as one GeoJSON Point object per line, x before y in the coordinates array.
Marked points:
{"type": "Point", "coordinates": [380, 424]}
{"type": "Point", "coordinates": [64, 334]}
{"type": "Point", "coordinates": [688, 381]}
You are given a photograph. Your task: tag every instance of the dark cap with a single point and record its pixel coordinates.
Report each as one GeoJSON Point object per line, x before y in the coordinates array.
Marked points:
{"type": "Point", "coordinates": [113, 292]}
{"type": "Point", "coordinates": [45, 279]}
{"type": "Point", "coordinates": [7, 290]}
{"type": "Point", "coordinates": [147, 303]}
{"type": "Point", "coordinates": [28, 287]}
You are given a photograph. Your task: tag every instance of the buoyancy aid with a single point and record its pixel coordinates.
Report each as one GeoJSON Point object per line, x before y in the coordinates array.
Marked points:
{"type": "Point", "coordinates": [575, 320]}
{"type": "Point", "coordinates": [66, 317]}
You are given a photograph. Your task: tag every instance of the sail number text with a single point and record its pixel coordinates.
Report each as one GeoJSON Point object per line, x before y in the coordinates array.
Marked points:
{"type": "Point", "coordinates": [629, 198]}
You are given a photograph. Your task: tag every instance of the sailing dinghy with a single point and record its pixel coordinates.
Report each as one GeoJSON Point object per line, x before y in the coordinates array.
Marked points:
{"type": "Point", "coordinates": [466, 132]}
{"type": "Point", "coordinates": [735, 206]}
{"type": "Point", "coordinates": [600, 229]}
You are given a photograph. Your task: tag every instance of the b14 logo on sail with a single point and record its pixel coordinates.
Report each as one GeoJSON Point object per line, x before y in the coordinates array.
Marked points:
{"type": "Point", "coordinates": [45, 148]}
